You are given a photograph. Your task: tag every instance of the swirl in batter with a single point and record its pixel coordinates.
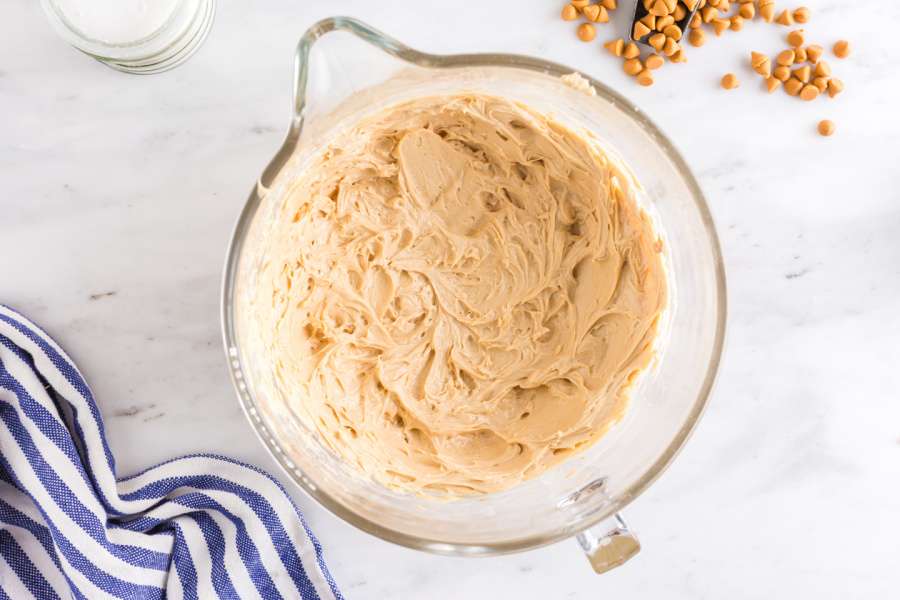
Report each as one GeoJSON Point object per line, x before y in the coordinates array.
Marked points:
{"type": "Point", "coordinates": [458, 293]}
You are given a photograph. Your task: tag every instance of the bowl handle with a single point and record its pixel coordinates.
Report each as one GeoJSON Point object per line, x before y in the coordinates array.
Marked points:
{"type": "Point", "coordinates": [609, 544]}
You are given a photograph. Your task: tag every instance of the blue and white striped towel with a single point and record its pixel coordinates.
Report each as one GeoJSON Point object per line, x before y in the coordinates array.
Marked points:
{"type": "Point", "coordinates": [195, 527]}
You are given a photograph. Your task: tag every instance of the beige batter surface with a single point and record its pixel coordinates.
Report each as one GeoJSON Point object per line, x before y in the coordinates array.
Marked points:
{"type": "Point", "coordinates": [458, 294]}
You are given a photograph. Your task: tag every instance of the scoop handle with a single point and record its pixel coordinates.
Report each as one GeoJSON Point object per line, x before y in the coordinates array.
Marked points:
{"type": "Point", "coordinates": [609, 544]}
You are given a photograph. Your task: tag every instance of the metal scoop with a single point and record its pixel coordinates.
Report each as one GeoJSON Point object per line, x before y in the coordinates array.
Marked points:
{"type": "Point", "coordinates": [641, 11]}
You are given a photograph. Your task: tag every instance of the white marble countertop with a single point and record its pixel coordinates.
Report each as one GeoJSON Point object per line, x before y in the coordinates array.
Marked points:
{"type": "Point", "coordinates": [120, 193]}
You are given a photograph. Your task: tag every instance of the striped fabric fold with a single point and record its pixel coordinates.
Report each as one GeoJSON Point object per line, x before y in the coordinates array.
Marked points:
{"type": "Point", "coordinates": [197, 527]}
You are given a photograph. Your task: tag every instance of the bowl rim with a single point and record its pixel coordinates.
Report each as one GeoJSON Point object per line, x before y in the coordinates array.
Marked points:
{"type": "Point", "coordinates": [422, 59]}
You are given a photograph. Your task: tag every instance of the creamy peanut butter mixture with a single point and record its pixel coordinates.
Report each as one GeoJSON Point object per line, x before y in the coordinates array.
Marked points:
{"type": "Point", "coordinates": [458, 293]}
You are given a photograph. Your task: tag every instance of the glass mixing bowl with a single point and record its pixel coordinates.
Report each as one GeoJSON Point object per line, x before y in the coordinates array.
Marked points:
{"type": "Point", "coordinates": [346, 70]}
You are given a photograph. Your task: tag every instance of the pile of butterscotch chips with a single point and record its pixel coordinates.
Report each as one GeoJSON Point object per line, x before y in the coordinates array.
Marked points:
{"type": "Point", "coordinates": [662, 26]}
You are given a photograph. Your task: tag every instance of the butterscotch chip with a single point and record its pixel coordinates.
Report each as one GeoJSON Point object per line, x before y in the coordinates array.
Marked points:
{"type": "Point", "coordinates": [708, 13]}
{"type": "Point", "coordinates": [841, 48]}
{"type": "Point", "coordinates": [615, 47]}
{"type": "Point", "coordinates": [679, 56]}
{"type": "Point", "coordinates": [821, 83]}
{"type": "Point", "coordinates": [632, 66]}
{"type": "Point", "coordinates": [825, 127]}
{"type": "Point", "coordinates": [654, 61]}
{"type": "Point", "coordinates": [579, 4]}
{"type": "Point", "coordinates": [569, 12]}
{"type": "Point", "coordinates": [747, 10]}
{"type": "Point", "coordinates": [680, 12]}
{"type": "Point", "coordinates": [657, 40]}
{"type": "Point", "coordinates": [696, 21]}
{"type": "Point", "coordinates": [591, 12]}
{"type": "Point", "coordinates": [730, 81]}
{"type": "Point", "coordinates": [781, 73]}
{"type": "Point", "coordinates": [720, 25]}
{"type": "Point", "coordinates": [659, 8]}
{"type": "Point", "coordinates": [670, 47]}
{"type": "Point", "coordinates": [603, 16]}
{"type": "Point", "coordinates": [608, 4]}
{"type": "Point", "coordinates": [663, 22]}
{"type": "Point", "coordinates": [796, 38]}
{"type": "Point", "coordinates": [696, 37]}
{"type": "Point", "coordinates": [631, 50]}
{"type": "Point", "coordinates": [761, 64]}
{"type": "Point", "coordinates": [801, 15]}
{"type": "Point", "coordinates": [640, 30]}
{"type": "Point", "coordinates": [586, 32]}
{"type": "Point", "coordinates": [645, 78]}
{"type": "Point", "coordinates": [785, 18]}
{"type": "Point", "coordinates": [802, 73]}
{"type": "Point", "coordinates": [785, 57]}
{"type": "Point", "coordinates": [793, 86]}
{"type": "Point", "coordinates": [673, 32]}
{"type": "Point", "coordinates": [809, 92]}
{"type": "Point", "coordinates": [835, 87]}
{"type": "Point", "coordinates": [649, 21]}
{"type": "Point", "coordinates": [814, 53]}
{"type": "Point", "coordinates": [690, 4]}
{"type": "Point", "coordinates": [767, 10]}
{"type": "Point", "coordinates": [822, 69]}
{"type": "Point", "coordinates": [772, 84]}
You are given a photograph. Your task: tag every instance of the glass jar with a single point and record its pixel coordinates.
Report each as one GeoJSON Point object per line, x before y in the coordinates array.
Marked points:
{"type": "Point", "coordinates": [134, 36]}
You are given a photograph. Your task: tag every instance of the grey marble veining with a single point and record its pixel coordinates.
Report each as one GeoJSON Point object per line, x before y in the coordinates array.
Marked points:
{"type": "Point", "coordinates": [120, 193]}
